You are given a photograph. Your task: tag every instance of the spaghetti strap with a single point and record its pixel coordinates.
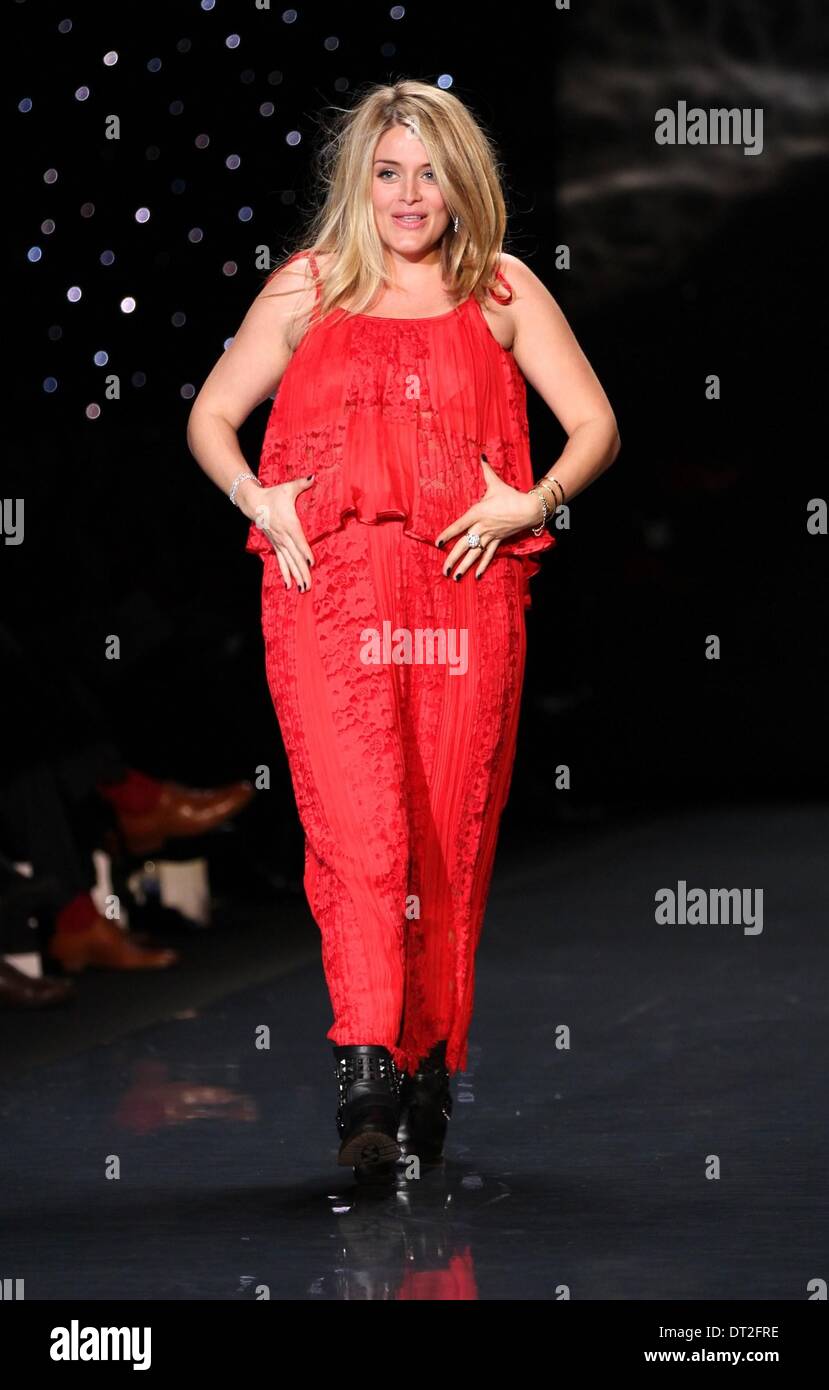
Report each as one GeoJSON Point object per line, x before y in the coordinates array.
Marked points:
{"type": "Point", "coordinates": [315, 271]}
{"type": "Point", "coordinates": [312, 262]}
{"type": "Point", "coordinates": [502, 277]}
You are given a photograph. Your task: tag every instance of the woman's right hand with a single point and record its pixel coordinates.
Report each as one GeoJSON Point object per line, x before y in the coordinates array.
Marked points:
{"type": "Point", "coordinates": [273, 510]}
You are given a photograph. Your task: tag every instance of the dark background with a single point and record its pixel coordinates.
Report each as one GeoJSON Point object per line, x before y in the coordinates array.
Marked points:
{"type": "Point", "coordinates": [685, 261]}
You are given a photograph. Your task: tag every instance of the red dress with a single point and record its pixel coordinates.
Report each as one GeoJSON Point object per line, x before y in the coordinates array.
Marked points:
{"type": "Point", "coordinates": [397, 690]}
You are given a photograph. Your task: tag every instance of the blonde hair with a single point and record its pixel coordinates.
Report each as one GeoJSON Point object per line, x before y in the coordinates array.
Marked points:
{"type": "Point", "coordinates": [466, 164]}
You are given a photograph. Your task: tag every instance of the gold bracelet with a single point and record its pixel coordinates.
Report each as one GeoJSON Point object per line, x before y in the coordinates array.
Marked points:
{"type": "Point", "coordinates": [541, 483]}
{"type": "Point", "coordinates": [549, 477]}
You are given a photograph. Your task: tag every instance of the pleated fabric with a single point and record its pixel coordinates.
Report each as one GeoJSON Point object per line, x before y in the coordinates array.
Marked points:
{"type": "Point", "coordinates": [391, 417]}
{"type": "Point", "coordinates": [401, 769]}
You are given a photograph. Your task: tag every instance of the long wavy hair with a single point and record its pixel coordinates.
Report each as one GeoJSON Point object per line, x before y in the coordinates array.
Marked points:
{"type": "Point", "coordinates": [466, 163]}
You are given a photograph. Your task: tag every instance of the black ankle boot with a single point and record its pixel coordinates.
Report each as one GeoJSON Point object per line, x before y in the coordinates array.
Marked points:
{"type": "Point", "coordinates": [425, 1106]}
{"type": "Point", "coordinates": [367, 1116]}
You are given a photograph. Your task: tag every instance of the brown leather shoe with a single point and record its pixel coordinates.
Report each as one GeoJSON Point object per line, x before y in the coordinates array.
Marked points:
{"type": "Point", "coordinates": [20, 991]}
{"type": "Point", "coordinates": [106, 946]}
{"type": "Point", "coordinates": [182, 811]}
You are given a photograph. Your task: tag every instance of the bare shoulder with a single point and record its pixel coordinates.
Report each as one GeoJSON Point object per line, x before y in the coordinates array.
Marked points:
{"type": "Point", "coordinates": [504, 317]}
{"type": "Point", "coordinates": [536, 318]}
{"type": "Point", "coordinates": [290, 294]}
{"type": "Point", "coordinates": [525, 283]}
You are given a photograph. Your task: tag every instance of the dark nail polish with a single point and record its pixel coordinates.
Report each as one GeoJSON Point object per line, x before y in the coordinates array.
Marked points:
{"type": "Point", "coordinates": [446, 574]}
{"type": "Point", "coordinates": [457, 576]}
{"type": "Point", "coordinates": [441, 544]}
{"type": "Point", "coordinates": [484, 457]}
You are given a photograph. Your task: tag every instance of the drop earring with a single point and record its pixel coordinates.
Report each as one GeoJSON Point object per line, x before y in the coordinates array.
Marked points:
{"type": "Point", "coordinates": [456, 222]}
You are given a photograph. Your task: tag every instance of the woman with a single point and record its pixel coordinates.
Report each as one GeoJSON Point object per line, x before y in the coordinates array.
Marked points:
{"type": "Point", "coordinates": [395, 459]}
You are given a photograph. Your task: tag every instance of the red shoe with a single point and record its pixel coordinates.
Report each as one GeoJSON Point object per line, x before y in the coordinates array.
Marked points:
{"type": "Point", "coordinates": [104, 945]}
{"type": "Point", "coordinates": [181, 812]}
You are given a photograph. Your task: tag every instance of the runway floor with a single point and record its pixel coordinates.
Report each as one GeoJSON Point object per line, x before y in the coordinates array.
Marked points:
{"type": "Point", "coordinates": [676, 1148]}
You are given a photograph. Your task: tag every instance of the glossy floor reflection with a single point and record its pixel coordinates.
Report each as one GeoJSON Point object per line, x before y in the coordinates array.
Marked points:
{"type": "Point", "coordinates": [186, 1160]}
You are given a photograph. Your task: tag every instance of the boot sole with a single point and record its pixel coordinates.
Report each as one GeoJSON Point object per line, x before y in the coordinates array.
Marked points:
{"type": "Point", "coordinates": [369, 1149]}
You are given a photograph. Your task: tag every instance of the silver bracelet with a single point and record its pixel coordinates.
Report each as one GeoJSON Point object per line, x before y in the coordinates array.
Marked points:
{"type": "Point", "coordinates": [542, 482]}
{"type": "Point", "coordinates": [537, 530]}
{"type": "Point", "coordinates": [240, 478]}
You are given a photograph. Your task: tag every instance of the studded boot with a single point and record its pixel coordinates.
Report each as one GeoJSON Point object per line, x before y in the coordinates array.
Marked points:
{"type": "Point", "coordinates": [425, 1106]}
{"type": "Point", "coordinates": [367, 1115]}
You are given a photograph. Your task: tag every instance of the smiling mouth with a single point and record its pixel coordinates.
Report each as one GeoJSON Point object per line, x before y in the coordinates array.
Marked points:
{"type": "Point", "coordinates": [409, 219]}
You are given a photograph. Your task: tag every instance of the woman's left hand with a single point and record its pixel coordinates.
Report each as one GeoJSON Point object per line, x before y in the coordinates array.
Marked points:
{"type": "Point", "coordinates": [501, 512]}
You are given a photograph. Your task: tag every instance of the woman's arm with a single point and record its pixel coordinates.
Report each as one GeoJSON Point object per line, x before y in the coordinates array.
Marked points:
{"type": "Point", "coordinates": [552, 361]}
{"type": "Point", "coordinates": [247, 373]}
{"type": "Point", "coordinates": [550, 358]}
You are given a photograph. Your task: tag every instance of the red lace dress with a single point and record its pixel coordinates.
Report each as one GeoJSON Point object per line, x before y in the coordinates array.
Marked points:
{"type": "Point", "coordinates": [400, 763]}
{"type": "Point", "coordinates": [392, 416]}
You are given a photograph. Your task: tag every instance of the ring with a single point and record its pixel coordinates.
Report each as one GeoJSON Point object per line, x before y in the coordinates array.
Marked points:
{"type": "Point", "coordinates": [472, 540]}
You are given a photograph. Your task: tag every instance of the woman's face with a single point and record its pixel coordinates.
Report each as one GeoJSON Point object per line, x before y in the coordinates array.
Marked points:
{"type": "Point", "coordinates": [403, 182]}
